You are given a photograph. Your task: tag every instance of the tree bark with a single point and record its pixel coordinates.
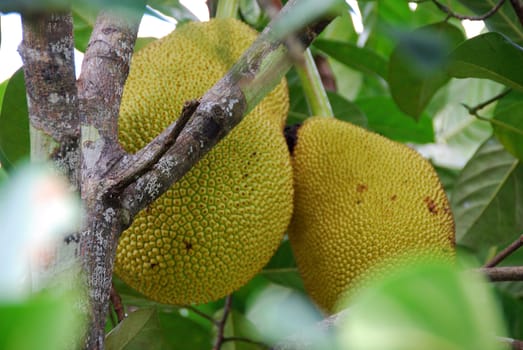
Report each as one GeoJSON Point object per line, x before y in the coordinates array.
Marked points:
{"type": "Point", "coordinates": [47, 50]}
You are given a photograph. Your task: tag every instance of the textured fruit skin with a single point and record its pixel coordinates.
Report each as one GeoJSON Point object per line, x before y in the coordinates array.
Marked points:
{"type": "Point", "coordinates": [362, 202]}
{"type": "Point", "coordinates": [220, 224]}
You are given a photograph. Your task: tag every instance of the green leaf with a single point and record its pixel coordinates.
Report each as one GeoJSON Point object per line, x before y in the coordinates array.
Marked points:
{"type": "Point", "coordinates": [346, 110]}
{"type": "Point", "coordinates": [173, 8]}
{"type": "Point", "coordinates": [508, 128]}
{"type": "Point", "coordinates": [383, 20]}
{"type": "Point", "coordinates": [459, 134]}
{"type": "Point", "coordinates": [3, 175]}
{"type": "Point", "coordinates": [237, 325]}
{"type": "Point", "coordinates": [142, 42]}
{"type": "Point", "coordinates": [14, 122]}
{"type": "Point", "coordinates": [489, 56]}
{"type": "Point", "coordinates": [84, 17]}
{"type": "Point", "coordinates": [429, 306]}
{"type": "Point", "coordinates": [134, 329]}
{"type": "Point", "coordinates": [353, 56]}
{"type": "Point", "coordinates": [416, 66]}
{"type": "Point", "coordinates": [181, 332]}
{"type": "Point", "coordinates": [298, 109]}
{"type": "Point", "coordinates": [385, 118]}
{"type": "Point", "coordinates": [447, 177]}
{"type": "Point", "coordinates": [504, 21]}
{"type": "Point", "coordinates": [282, 268]}
{"type": "Point", "coordinates": [252, 13]}
{"type": "Point", "coordinates": [513, 313]}
{"type": "Point", "coordinates": [46, 321]}
{"type": "Point", "coordinates": [487, 200]}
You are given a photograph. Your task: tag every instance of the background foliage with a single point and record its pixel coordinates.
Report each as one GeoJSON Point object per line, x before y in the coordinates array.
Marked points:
{"type": "Point", "coordinates": [411, 74]}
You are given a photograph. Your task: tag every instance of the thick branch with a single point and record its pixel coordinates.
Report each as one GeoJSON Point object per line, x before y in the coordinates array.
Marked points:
{"type": "Point", "coordinates": [100, 87]}
{"type": "Point", "coordinates": [220, 109]}
{"type": "Point", "coordinates": [47, 50]}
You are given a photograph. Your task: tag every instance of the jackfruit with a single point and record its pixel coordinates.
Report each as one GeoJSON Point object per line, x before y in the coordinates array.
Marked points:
{"type": "Point", "coordinates": [213, 230]}
{"type": "Point", "coordinates": [363, 203]}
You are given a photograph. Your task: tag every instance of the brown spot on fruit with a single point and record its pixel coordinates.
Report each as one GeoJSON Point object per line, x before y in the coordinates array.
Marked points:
{"type": "Point", "coordinates": [431, 205]}
{"type": "Point", "coordinates": [393, 197]}
{"type": "Point", "coordinates": [361, 188]}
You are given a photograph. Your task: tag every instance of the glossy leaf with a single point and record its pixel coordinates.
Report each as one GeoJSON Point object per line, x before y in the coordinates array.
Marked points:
{"type": "Point", "coordinates": [282, 268]}
{"type": "Point", "coordinates": [489, 56]}
{"type": "Point", "coordinates": [416, 67]}
{"type": "Point", "coordinates": [353, 56]}
{"type": "Point", "coordinates": [508, 128]}
{"type": "Point", "coordinates": [487, 199]}
{"type": "Point", "coordinates": [154, 329]}
{"type": "Point", "coordinates": [124, 334]}
{"type": "Point", "coordinates": [504, 20]}
{"type": "Point", "coordinates": [459, 134]}
{"type": "Point", "coordinates": [385, 118]}
{"type": "Point", "coordinates": [429, 306]}
{"type": "Point", "coordinates": [14, 122]}
{"type": "Point", "coordinates": [157, 330]}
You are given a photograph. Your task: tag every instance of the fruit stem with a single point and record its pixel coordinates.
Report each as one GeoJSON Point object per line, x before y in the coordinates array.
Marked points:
{"type": "Point", "coordinates": [315, 93]}
{"type": "Point", "coordinates": [227, 9]}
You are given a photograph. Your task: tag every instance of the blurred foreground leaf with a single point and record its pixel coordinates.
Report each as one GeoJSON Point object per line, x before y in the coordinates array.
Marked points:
{"type": "Point", "coordinates": [49, 320]}
{"type": "Point", "coordinates": [430, 306]}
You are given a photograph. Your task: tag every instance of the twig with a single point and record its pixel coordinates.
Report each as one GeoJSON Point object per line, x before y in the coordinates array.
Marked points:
{"type": "Point", "coordinates": [450, 13]}
{"type": "Point", "coordinates": [118, 307]}
{"type": "Point", "coordinates": [517, 5]}
{"type": "Point", "coordinates": [245, 340]}
{"type": "Point", "coordinates": [202, 314]}
{"type": "Point", "coordinates": [146, 158]}
{"type": "Point", "coordinates": [221, 324]}
{"type": "Point", "coordinates": [503, 274]}
{"type": "Point", "coordinates": [505, 252]}
{"type": "Point", "coordinates": [474, 110]}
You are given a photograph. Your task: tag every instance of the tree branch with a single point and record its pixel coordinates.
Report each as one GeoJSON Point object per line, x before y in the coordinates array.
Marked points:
{"type": "Point", "coordinates": [517, 5]}
{"type": "Point", "coordinates": [47, 51]}
{"type": "Point", "coordinates": [503, 274]}
{"type": "Point", "coordinates": [220, 109]}
{"type": "Point", "coordinates": [100, 87]}
{"type": "Point", "coordinates": [518, 243]}
{"type": "Point", "coordinates": [452, 14]}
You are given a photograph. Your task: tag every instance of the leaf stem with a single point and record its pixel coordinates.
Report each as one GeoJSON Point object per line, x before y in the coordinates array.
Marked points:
{"type": "Point", "coordinates": [474, 110]}
{"type": "Point", "coordinates": [227, 9]}
{"type": "Point", "coordinates": [313, 88]}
